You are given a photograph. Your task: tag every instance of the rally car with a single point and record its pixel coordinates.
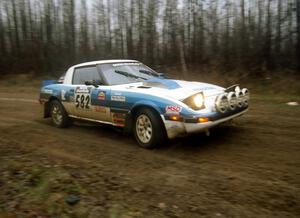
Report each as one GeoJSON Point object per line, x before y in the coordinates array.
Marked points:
{"type": "Point", "coordinates": [130, 95]}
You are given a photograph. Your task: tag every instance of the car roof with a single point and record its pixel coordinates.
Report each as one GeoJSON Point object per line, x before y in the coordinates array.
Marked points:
{"type": "Point", "coordinates": [104, 62]}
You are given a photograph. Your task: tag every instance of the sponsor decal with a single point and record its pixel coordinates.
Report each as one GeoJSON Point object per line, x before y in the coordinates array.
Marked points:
{"type": "Point", "coordinates": [47, 91]}
{"type": "Point", "coordinates": [119, 119]}
{"type": "Point", "coordinates": [119, 115]}
{"type": "Point", "coordinates": [100, 109]}
{"type": "Point", "coordinates": [173, 109]}
{"type": "Point", "coordinates": [101, 95]}
{"type": "Point", "coordinates": [118, 98]}
{"type": "Point", "coordinates": [82, 89]}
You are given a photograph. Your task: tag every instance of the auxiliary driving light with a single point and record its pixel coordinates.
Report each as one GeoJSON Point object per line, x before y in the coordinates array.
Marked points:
{"type": "Point", "coordinates": [232, 100]}
{"type": "Point", "coordinates": [246, 96]}
{"type": "Point", "coordinates": [240, 98]}
{"type": "Point", "coordinates": [237, 89]}
{"type": "Point", "coordinates": [222, 103]}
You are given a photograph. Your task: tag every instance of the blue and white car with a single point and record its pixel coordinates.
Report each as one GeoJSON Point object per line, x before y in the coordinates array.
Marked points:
{"type": "Point", "coordinates": [128, 94]}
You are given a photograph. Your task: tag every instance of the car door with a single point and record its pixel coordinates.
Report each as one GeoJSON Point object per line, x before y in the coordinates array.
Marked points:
{"type": "Point", "coordinates": [86, 97]}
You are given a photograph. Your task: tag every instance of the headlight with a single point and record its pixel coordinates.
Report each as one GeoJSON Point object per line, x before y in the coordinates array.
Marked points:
{"type": "Point", "coordinates": [196, 102]}
{"type": "Point", "coordinates": [199, 100]}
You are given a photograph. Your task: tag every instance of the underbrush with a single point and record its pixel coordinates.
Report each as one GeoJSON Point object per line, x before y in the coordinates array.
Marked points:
{"type": "Point", "coordinates": [28, 83]}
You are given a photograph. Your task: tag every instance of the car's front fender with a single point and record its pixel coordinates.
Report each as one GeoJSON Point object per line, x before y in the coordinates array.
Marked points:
{"type": "Point", "coordinates": [147, 103]}
{"type": "Point", "coordinates": [137, 106]}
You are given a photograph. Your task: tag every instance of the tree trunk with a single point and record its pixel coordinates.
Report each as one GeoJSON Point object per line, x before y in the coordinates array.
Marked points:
{"type": "Point", "coordinates": [180, 44]}
{"type": "Point", "coordinates": [16, 26]}
{"type": "Point", "coordinates": [298, 33]}
{"type": "Point", "coordinates": [2, 36]}
{"type": "Point", "coordinates": [278, 31]}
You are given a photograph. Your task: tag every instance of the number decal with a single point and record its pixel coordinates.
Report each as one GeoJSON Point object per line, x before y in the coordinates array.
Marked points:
{"type": "Point", "coordinates": [82, 101]}
{"type": "Point", "coordinates": [77, 101]}
{"type": "Point", "coordinates": [82, 98]}
{"type": "Point", "coordinates": [87, 102]}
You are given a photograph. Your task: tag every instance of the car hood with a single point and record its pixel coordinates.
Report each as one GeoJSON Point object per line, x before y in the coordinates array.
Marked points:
{"type": "Point", "coordinates": [176, 89]}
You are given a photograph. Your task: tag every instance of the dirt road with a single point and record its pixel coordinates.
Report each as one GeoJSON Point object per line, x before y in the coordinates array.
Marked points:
{"type": "Point", "coordinates": [250, 168]}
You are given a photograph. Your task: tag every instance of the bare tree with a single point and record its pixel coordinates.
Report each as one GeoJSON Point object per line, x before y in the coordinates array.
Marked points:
{"type": "Point", "coordinates": [2, 34]}
{"type": "Point", "coordinates": [83, 39]}
{"type": "Point", "coordinates": [298, 32]}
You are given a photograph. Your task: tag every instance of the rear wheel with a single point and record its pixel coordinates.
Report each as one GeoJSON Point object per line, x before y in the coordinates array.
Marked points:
{"type": "Point", "coordinates": [148, 129]}
{"type": "Point", "coordinates": [59, 115]}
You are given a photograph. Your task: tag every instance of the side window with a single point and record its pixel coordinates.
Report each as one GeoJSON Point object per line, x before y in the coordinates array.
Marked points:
{"type": "Point", "coordinates": [61, 79]}
{"type": "Point", "coordinates": [83, 74]}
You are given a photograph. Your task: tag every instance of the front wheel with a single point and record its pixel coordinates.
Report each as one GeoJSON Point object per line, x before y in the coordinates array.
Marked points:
{"type": "Point", "coordinates": [59, 115]}
{"type": "Point", "coordinates": [148, 130]}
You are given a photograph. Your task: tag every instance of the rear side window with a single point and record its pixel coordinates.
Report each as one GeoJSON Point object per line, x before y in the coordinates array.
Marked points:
{"type": "Point", "coordinates": [61, 79]}
{"type": "Point", "coordinates": [83, 74]}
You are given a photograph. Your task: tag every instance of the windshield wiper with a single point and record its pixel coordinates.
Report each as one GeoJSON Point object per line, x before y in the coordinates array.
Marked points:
{"type": "Point", "coordinates": [129, 74]}
{"type": "Point", "coordinates": [148, 73]}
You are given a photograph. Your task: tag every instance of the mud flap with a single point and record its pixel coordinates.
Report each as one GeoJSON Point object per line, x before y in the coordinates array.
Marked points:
{"type": "Point", "coordinates": [128, 124]}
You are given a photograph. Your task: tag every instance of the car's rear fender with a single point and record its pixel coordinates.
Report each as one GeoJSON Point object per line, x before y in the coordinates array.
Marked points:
{"type": "Point", "coordinates": [47, 106]}
{"type": "Point", "coordinates": [49, 93]}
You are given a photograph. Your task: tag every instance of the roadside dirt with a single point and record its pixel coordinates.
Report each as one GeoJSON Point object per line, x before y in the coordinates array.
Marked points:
{"type": "Point", "coordinates": [250, 168]}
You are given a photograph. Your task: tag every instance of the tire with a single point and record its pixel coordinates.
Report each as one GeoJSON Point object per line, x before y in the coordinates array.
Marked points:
{"type": "Point", "coordinates": [148, 129]}
{"type": "Point", "coordinates": [59, 115]}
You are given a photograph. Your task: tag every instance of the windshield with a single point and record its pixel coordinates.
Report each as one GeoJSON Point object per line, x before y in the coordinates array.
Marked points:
{"type": "Point", "coordinates": [123, 73]}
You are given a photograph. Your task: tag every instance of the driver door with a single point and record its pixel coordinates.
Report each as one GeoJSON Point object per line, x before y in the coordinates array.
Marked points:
{"type": "Point", "coordinates": [82, 105]}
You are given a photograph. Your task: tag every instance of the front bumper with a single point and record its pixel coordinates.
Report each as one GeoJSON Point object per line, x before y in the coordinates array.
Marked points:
{"type": "Point", "coordinates": [177, 129]}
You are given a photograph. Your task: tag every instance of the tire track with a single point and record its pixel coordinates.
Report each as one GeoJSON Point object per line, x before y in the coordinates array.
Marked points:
{"type": "Point", "coordinates": [20, 100]}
